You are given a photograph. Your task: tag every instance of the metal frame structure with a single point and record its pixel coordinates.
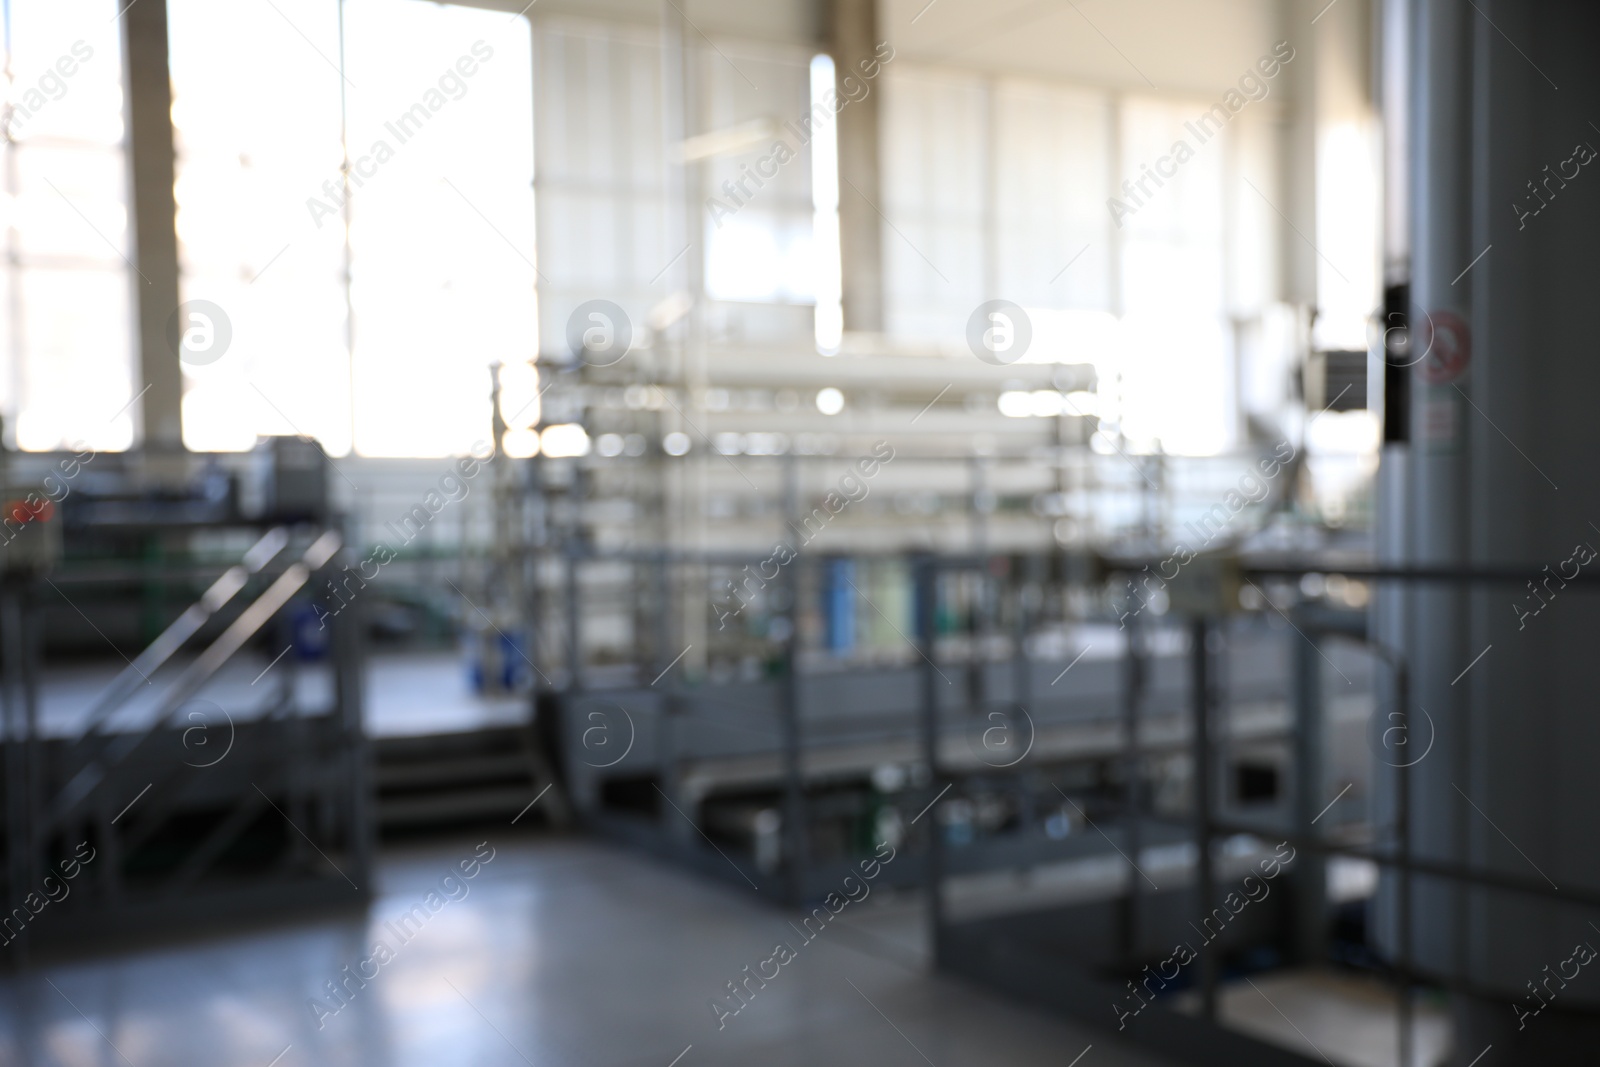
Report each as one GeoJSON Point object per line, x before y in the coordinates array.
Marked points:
{"type": "Point", "coordinates": [801, 732]}
{"type": "Point", "coordinates": [1040, 976]}
{"type": "Point", "coordinates": [179, 837]}
{"type": "Point", "coordinates": [670, 713]}
{"type": "Point", "coordinates": [671, 728]}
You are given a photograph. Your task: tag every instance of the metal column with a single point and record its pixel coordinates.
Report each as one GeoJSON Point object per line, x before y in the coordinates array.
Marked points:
{"type": "Point", "coordinates": [1133, 689]}
{"type": "Point", "coordinates": [925, 575]}
{"type": "Point", "coordinates": [794, 795]}
{"type": "Point", "coordinates": [1205, 882]}
{"type": "Point", "coordinates": [1309, 876]}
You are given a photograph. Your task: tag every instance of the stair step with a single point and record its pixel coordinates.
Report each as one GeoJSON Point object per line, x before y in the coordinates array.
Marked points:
{"type": "Point", "coordinates": [446, 807]}
{"type": "Point", "coordinates": [466, 770]}
{"type": "Point", "coordinates": [496, 740]}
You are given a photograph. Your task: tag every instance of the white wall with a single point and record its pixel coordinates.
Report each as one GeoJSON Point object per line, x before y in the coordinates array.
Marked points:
{"type": "Point", "coordinates": [1173, 46]}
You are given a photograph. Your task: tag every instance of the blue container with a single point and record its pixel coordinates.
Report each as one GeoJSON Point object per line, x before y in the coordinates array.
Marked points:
{"type": "Point", "coordinates": [839, 605]}
{"type": "Point", "coordinates": [310, 637]}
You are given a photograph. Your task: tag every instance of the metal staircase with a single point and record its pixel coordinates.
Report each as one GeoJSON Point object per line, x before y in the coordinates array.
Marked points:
{"type": "Point", "coordinates": [192, 795]}
{"type": "Point", "coordinates": [438, 780]}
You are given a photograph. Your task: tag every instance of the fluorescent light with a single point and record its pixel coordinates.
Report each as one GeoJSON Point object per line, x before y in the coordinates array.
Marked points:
{"type": "Point", "coordinates": [520, 443]}
{"type": "Point", "coordinates": [564, 441]}
{"type": "Point", "coordinates": [829, 284]}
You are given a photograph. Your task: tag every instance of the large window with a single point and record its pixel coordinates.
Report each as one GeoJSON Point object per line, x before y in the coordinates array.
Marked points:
{"type": "Point", "coordinates": [935, 195]}
{"type": "Point", "coordinates": [999, 188]}
{"type": "Point", "coordinates": [443, 264]}
{"type": "Point", "coordinates": [250, 159]}
{"type": "Point", "coordinates": [602, 172]}
{"type": "Point", "coordinates": [604, 210]}
{"type": "Point", "coordinates": [992, 187]}
{"type": "Point", "coordinates": [1051, 154]}
{"type": "Point", "coordinates": [66, 373]}
{"type": "Point", "coordinates": [1175, 382]}
{"type": "Point", "coordinates": [763, 249]}
{"type": "Point", "coordinates": [366, 304]}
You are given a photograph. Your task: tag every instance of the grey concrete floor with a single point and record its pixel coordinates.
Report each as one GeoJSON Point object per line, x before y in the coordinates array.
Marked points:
{"type": "Point", "coordinates": [560, 952]}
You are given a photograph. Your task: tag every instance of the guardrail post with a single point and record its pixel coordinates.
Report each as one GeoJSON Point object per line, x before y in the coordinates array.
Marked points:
{"type": "Point", "coordinates": [1133, 685]}
{"type": "Point", "coordinates": [1306, 725]}
{"type": "Point", "coordinates": [794, 794]}
{"type": "Point", "coordinates": [925, 575]}
{"type": "Point", "coordinates": [1206, 892]}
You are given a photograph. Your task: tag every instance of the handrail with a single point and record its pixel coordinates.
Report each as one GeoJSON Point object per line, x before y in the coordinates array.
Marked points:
{"type": "Point", "coordinates": [175, 636]}
{"type": "Point", "coordinates": [198, 673]}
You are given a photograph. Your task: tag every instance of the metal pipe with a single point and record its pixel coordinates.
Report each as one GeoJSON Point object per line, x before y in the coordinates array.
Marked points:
{"type": "Point", "coordinates": [1392, 860]}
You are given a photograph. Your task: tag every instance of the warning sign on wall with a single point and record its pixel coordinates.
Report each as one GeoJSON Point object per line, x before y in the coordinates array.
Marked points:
{"type": "Point", "coordinates": [1447, 347]}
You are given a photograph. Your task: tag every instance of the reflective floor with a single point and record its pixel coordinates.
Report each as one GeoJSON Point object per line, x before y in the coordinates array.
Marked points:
{"type": "Point", "coordinates": [1335, 1016]}
{"type": "Point", "coordinates": [559, 952]}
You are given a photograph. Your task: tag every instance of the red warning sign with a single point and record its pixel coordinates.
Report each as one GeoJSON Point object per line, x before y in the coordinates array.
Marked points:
{"type": "Point", "coordinates": [1447, 347]}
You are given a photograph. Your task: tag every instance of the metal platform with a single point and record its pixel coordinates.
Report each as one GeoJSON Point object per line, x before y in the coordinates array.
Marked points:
{"type": "Point", "coordinates": [181, 792]}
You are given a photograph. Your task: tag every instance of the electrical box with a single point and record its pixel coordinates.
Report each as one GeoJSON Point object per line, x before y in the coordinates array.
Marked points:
{"type": "Point", "coordinates": [1208, 585]}
{"type": "Point", "coordinates": [30, 531]}
{"type": "Point", "coordinates": [294, 479]}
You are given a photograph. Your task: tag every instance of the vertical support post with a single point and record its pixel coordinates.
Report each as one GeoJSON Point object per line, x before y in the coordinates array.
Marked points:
{"type": "Point", "coordinates": [1403, 874]}
{"type": "Point", "coordinates": [572, 543]}
{"type": "Point", "coordinates": [925, 575]}
{"type": "Point", "coordinates": [795, 814]}
{"type": "Point", "coordinates": [347, 658]}
{"type": "Point", "coordinates": [574, 637]}
{"type": "Point", "coordinates": [661, 575]}
{"type": "Point", "coordinates": [32, 657]}
{"type": "Point", "coordinates": [1022, 679]}
{"type": "Point", "coordinates": [569, 698]}
{"type": "Point", "coordinates": [978, 478]}
{"type": "Point", "coordinates": [299, 778]}
{"type": "Point", "coordinates": [108, 860]}
{"type": "Point", "coordinates": [21, 854]}
{"type": "Point", "coordinates": [791, 494]}
{"type": "Point", "coordinates": [669, 733]}
{"type": "Point", "coordinates": [153, 209]}
{"type": "Point", "coordinates": [530, 556]}
{"type": "Point", "coordinates": [1309, 876]}
{"type": "Point", "coordinates": [794, 795]}
{"type": "Point", "coordinates": [1205, 883]}
{"type": "Point", "coordinates": [855, 50]}
{"type": "Point", "coordinates": [672, 710]}
{"type": "Point", "coordinates": [1134, 668]}
{"type": "Point", "coordinates": [1023, 579]}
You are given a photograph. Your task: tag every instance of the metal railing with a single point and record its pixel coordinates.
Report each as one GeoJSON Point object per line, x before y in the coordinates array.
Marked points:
{"type": "Point", "coordinates": [178, 839]}
{"type": "Point", "coordinates": [1078, 986]}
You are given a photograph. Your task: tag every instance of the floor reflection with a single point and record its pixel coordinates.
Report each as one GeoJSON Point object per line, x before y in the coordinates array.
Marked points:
{"type": "Point", "coordinates": [554, 952]}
